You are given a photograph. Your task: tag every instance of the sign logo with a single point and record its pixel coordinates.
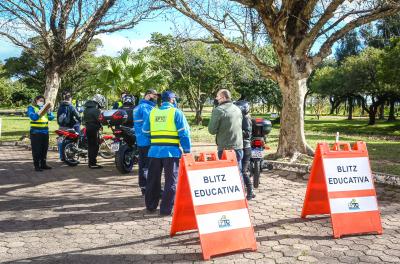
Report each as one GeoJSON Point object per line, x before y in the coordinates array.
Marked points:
{"type": "Point", "coordinates": [353, 205]}
{"type": "Point", "coordinates": [224, 222]}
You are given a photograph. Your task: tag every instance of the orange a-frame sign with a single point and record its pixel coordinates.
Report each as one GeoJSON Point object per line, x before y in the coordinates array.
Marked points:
{"type": "Point", "coordinates": [341, 184]}
{"type": "Point", "coordinates": [210, 198]}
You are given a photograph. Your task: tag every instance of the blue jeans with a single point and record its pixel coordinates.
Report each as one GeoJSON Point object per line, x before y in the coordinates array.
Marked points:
{"type": "Point", "coordinates": [61, 145]}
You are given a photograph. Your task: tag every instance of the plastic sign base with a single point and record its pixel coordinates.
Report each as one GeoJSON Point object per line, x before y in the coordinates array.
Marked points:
{"type": "Point", "coordinates": [341, 185]}
{"type": "Point", "coordinates": [210, 198]}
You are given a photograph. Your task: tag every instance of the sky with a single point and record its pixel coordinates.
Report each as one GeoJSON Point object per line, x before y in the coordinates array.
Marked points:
{"type": "Point", "coordinates": [112, 43]}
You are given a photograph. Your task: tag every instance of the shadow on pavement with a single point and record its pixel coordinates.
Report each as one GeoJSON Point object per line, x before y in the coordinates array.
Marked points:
{"type": "Point", "coordinates": [84, 256]}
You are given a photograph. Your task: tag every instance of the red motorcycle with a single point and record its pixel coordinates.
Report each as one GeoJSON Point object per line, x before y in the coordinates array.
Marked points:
{"type": "Point", "coordinates": [75, 145]}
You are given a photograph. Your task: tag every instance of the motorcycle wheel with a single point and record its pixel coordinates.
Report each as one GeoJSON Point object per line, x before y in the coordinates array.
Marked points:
{"type": "Point", "coordinates": [71, 156]}
{"type": "Point", "coordinates": [124, 159]}
{"type": "Point", "coordinates": [105, 149]}
{"type": "Point", "coordinates": [256, 173]}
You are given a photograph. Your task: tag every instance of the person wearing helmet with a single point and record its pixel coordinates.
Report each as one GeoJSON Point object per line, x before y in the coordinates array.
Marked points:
{"type": "Point", "coordinates": [128, 104]}
{"type": "Point", "coordinates": [246, 129]}
{"type": "Point", "coordinates": [91, 121]}
{"type": "Point", "coordinates": [167, 129]}
{"type": "Point", "coordinates": [118, 104]}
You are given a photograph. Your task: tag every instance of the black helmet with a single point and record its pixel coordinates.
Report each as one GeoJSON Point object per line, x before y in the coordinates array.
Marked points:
{"type": "Point", "coordinates": [243, 106]}
{"type": "Point", "coordinates": [128, 99]}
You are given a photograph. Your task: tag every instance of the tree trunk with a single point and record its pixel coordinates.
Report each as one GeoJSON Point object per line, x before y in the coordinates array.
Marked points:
{"type": "Point", "coordinates": [53, 81]}
{"type": "Point", "coordinates": [382, 111]}
{"type": "Point", "coordinates": [332, 102]}
{"type": "Point", "coordinates": [291, 137]}
{"type": "Point", "coordinates": [351, 106]}
{"type": "Point", "coordinates": [372, 114]}
{"type": "Point", "coordinates": [199, 110]}
{"type": "Point", "coordinates": [391, 110]}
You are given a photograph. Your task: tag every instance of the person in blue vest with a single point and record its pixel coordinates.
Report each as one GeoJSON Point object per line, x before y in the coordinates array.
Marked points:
{"type": "Point", "coordinates": [39, 133]}
{"type": "Point", "coordinates": [167, 128]}
{"type": "Point", "coordinates": [141, 113]}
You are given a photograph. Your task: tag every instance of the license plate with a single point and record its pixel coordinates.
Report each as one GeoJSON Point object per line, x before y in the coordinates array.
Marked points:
{"type": "Point", "coordinates": [257, 154]}
{"type": "Point", "coordinates": [115, 147]}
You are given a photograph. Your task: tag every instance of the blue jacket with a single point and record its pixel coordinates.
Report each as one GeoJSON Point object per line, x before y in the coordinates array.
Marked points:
{"type": "Point", "coordinates": [141, 113]}
{"type": "Point", "coordinates": [34, 116]}
{"type": "Point", "coordinates": [183, 133]}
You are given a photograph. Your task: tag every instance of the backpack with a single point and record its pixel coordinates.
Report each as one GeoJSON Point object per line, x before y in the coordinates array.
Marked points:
{"type": "Point", "coordinates": [64, 116]}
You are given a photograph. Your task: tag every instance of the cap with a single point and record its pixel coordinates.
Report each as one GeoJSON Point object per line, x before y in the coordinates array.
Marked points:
{"type": "Point", "coordinates": [167, 95]}
{"type": "Point", "coordinates": [151, 91]}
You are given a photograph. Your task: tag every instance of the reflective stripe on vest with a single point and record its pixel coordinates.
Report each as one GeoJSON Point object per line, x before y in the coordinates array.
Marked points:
{"type": "Point", "coordinates": [42, 122]}
{"type": "Point", "coordinates": [162, 127]}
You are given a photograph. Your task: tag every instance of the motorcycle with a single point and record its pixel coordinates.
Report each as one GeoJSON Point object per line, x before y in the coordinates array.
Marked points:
{"type": "Point", "coordinates": [124, 142]}
{"type": "Point", "coordinates": [260, 129]}
{"type": "Point", "coordinates": [75, 145]}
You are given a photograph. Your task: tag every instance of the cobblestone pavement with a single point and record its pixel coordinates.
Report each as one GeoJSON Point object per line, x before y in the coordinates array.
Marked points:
{"type": "Point", "coordinates": [77, 215]}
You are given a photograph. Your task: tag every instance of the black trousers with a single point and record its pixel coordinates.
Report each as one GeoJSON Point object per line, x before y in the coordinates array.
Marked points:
{"type": "Point", "coordinates": [153, 186]}
{"type": "Point", "coordinates": [143, 165]}
{"type": "Point", "coordinates": [92, 134]}
{"type": "Point", "coordinates": [40, 145]}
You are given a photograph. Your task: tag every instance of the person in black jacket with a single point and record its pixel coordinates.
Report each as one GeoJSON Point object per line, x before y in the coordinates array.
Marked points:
{"type": "Point", "coordinates": [91, 120]}
{"type": "Point", "coordinates": [128, 104]}
{"type": "Point", "coordinates": [246, 129]}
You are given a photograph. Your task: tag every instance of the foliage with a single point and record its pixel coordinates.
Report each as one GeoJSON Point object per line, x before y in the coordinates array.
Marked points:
{"type": "Point", "coordinates": [129, 72]}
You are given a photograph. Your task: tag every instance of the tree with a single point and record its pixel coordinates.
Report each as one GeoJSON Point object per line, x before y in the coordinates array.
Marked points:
{"type": "Point", "coordinates": [362, 72]}
{"type": "Point", "coordinates": [64, 29]}
{"type": "Point", "coordinates": [390, 74]}
{"type": "Point", "coordinates": [128, 72]}
{"type": "Point", "coordinates": [198, 70]}
{"type": "Point", "coordinates": [348, 46]}
{"type": "Point", "coordinates": [293, 28]}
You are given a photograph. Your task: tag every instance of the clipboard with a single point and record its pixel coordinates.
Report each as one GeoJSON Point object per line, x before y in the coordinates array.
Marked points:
{"type": "Point", "coordinates": [44, 109]}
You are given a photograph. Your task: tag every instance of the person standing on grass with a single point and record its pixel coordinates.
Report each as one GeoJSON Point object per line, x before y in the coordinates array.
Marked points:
{"type": "Point", "coordinates": [141, 113]}
{"type": "Point", "coordinates": [167, 128]}
{"type": "Point", "coordinates": [226, 124]}
{"type": "Point", "coordinates": [39, 132]}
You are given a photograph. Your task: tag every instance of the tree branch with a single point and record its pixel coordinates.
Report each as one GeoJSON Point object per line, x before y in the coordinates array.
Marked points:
{"type": "Point", "coordinates": [185, 9]}
{"type": "Point", "coordinates": [325, 49]}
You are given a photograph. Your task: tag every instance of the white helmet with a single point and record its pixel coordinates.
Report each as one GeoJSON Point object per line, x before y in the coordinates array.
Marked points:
{"type": "Point", "coordinates": [100, 100]}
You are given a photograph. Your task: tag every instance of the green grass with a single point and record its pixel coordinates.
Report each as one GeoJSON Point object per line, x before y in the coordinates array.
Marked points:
{"type": "Point", "coordinates": [383, 139]}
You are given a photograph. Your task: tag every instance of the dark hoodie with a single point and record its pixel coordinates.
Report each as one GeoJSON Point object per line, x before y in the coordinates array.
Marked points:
{"type": "Point", "coordinates": [91, 114]}
{"type": "Point", "coordinates": [74, 115]}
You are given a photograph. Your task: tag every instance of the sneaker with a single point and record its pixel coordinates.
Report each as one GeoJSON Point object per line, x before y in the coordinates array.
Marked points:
{"type": "Point", "coordinates": [150, 211]}
{"type": "Point", "coordinates": [45, 167]}
{"type": "Point", "coordinates": [165, 214]}
{"type": "Point", "coordinates": [95, 166]}
{"type": "Point", "coordinates": [250, 196]}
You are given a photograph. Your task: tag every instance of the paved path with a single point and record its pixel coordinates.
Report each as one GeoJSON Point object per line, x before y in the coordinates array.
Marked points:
{"type": "Point", "coordinates": [77, 215]}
